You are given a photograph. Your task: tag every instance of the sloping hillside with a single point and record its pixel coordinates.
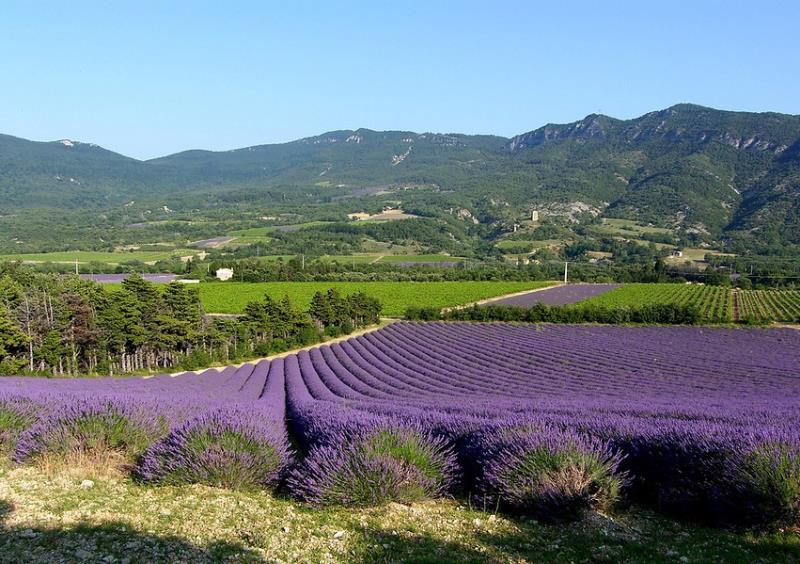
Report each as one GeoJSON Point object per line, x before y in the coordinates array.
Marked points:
{"type": "Point", "coordinates": [689, 167]}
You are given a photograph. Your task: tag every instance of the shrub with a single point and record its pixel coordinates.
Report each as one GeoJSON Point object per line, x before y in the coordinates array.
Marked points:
{"type": "Point", "coordinates": [414, 313]}
{"type": "Point", "coordinates": [767, 481]}
{"type": "Point", "coordinates": [383, 465]}
{"type": "Point", "coordinates": [16, 415]}
{"type": "Point", "coordinates": [233, 447]}
{"type": "Point", "coordinates": [91, 426]}
{"type": "Point", "coordinates": [552, 474]}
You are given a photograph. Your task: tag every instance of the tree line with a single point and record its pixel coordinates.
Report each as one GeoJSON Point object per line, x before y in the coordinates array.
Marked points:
{"type": "Point", "coordinates": [662, 314]}
{"type": "Point", "coordinates": [62, 325]}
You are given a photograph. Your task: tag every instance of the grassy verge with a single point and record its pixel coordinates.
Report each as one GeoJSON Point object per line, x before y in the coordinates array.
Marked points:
{"type": "Point", "coordinates": [47, 517]}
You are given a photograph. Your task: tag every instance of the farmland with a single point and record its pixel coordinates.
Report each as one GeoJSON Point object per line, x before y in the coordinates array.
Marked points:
{"type": "Point", "coordinates": [558, 295]}
{"type": "Point", "coordinates": [412, 401]}
{"type": "Point", "coordinates": [715, 302]}
{"type": "Point", "coordinates": [231, 297]}
{"type": "Point", "coordinates": [84, 257]}
{"type": "Point", "coordinates": [767, 305]}
{"type": "Point", "coordinates": [374, 258]}
{"type": "Point", "coordinates": [718, 304]}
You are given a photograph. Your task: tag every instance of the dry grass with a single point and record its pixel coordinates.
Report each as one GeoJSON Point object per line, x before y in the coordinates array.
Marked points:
{"type": "Point", "coordinates": [104, 463]}
{"type": "Point", "coordinates": [53, 518]}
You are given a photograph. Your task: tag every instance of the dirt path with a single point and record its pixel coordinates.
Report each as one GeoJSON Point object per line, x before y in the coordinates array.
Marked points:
{"type": "Point", "coordinates": [384, 322]}
{"type": "Point", "coordinates": [735, 304]}
{"type": "Point", "coordinates": [377, 259]}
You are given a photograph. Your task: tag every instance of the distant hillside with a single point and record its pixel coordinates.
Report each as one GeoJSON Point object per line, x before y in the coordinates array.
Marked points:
{"type": "Point", "coordinates": [687, 166]}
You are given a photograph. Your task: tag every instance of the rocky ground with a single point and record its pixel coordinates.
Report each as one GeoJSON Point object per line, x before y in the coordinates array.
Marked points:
{"type": "Point", "coordinates": [69, 515]}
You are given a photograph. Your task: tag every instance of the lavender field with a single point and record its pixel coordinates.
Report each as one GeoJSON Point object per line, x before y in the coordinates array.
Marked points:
{"type": "Point", "coordinates": [547, 420]}
{"type": "Point", "coordinates": [558, 295]}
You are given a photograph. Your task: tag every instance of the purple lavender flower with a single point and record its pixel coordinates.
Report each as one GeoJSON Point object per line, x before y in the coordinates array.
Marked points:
{"type": "Point", "coordinates": [389, 464]}
{"type": "Point", "coordinates": [123, 425]}
{"type": "Point", "coordinates": [551, 473]}
{"type": "Point", "coordinates": [238, 446]}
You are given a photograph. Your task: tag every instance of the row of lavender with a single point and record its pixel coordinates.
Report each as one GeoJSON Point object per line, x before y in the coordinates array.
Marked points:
{"type": "Point", "coordinates": [224, 428]}
{"type": "Point", "coordinates": [543, 419]}
{"type": "Point", "coordinates": [554, 419]}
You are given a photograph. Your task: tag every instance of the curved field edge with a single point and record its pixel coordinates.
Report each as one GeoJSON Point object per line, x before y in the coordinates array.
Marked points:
{"type": "Point", "coordinates": [45, 518]}
{"type": "Point", "coordinates": [232, 297]}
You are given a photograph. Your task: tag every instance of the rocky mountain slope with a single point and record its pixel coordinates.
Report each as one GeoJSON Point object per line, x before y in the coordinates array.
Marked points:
{"type": "Point", "coordinates": [687, 166]}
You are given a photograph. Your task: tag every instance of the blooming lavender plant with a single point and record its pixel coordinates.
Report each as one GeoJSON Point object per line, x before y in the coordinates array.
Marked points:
{"type": "Point", "coordinates": [17, 413]}
{"type": "Point", "coordinates": [237, 447]}
{"type": "Point", "coordinates": [551, 473]}
{"type": "Point", "coordinates": [373, 467]}
{"type": "Point", "coordinates": [122, 425]}
{"type": "Point", "coordinates": [544, 418]}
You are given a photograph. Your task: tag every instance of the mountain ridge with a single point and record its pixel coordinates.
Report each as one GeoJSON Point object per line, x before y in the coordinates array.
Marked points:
{"type": "Point", "coordinates": [707, 170]}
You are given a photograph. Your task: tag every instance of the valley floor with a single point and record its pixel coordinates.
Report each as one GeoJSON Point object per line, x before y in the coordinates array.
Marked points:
{"type": "Point", "coordinates": [59, 516]}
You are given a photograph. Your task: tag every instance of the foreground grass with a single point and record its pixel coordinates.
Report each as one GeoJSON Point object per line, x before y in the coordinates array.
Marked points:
{"type": "Point", "coordinates": [232, 297]}
{"type": "Point", "coordinates": [56, 516]}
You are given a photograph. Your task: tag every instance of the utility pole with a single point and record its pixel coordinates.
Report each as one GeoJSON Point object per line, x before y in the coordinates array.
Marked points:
{"type": "Point", "coordinates": [303, 261]}
{"type": "Point", "coordinates": [76, 267]}
{"type": "Point", "coordinates": [565, 272]}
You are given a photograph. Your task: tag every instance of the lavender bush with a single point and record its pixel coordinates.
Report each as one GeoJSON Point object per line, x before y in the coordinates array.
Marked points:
{"type": "Point", "coordinates": [126, 426]}
{"type": "Point", "coordinates": [549, 473]}
{"type": "Point", "coordinates": [389, 464]}
{"type": "Point", "coordinates": [235, 447]}
{"type": "Point", "coordinates": [17, 413]}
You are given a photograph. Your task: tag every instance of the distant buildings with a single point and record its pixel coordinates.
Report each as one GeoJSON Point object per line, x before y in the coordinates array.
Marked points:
{"type": "Point", "coordinates": [224, 274]}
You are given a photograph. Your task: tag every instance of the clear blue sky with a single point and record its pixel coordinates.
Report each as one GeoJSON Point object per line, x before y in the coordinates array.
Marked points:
{"type": "Point", "coordinates": [147, 80]}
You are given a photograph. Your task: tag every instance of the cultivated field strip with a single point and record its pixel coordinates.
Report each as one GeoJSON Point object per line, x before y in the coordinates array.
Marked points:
{"type": "Point", "coordinates": [767, 305]}
{"type": "Point", "coordinates": [558, 295]}
{"type": "Point", "coordinates": [716, 303]}
{"type": "Point", "coordinates": [630, 396]}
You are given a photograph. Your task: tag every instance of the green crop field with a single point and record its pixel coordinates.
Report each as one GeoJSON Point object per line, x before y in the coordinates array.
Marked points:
{"type": "Point", "coordinates": [418, 258]}
{"type": "Point", "coordinates": [256, 232]}
{"type": "Point", "coordinates": [629, 226]}
{"type": "Point", "coordinates": [350, 259]}
{"type": "Point", "coordinates": [718, 304]}
{"type": "Point", "coordinates": [98, 256]}
{"type": "Point", "coordinates": [714, 301]}
{"type": "Point", "coordinates": [767, 305]}
{"type": "Point", "coordinates": [231, 297]}
{"type": "Point", "coordinates": [531, 244]}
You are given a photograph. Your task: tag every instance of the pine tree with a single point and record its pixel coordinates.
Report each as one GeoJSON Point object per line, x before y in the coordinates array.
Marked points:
{"type": "Point", "coordinates": [12, 338]}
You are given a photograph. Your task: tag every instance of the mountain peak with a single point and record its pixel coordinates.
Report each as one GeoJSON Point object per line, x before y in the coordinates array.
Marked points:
{"type": "Point", "coordinates": [593, 126]}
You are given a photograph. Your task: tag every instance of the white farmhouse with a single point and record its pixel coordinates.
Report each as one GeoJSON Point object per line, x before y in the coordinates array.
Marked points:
{"type": "Point", "coordinates": [224, 274]}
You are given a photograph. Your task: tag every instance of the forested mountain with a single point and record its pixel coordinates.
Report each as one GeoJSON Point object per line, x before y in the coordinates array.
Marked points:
{"type": "Point", "coordinates": [689, 167]}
